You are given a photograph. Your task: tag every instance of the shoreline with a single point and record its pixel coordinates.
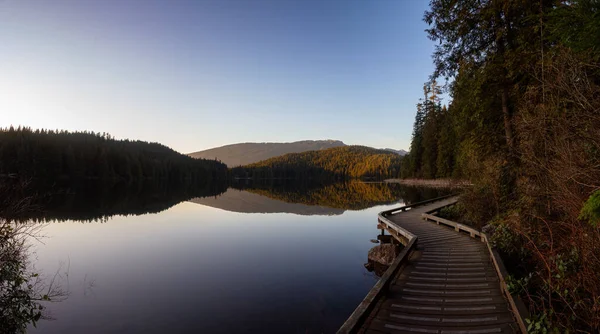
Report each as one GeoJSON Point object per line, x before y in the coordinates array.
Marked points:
{"type": "Point", "coordinates": [432, 183]}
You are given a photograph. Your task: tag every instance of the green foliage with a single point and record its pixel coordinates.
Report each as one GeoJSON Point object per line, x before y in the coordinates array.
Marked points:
{"type": "Point", "coordinates": [454, 212]}
{"type": "Point", "coordinates": [517, 286]}
{"type": "Point", "coordinates": [20, 297]}
{"type": "Point", "coordinates": [564, 265]}
{"type": "Point", "coordinates": [591, 209]}
{"type": "Point", "coordinates": [341, 163]}
{"type": "Point", "coordinates": [576, 25]}
{"type": "Point", "coordinates": [446, 145]}
{"type": "Point", "coordinates": [433, 143]}
{"type": "Point", "coordinates": [505, 239]}
{"type": "Point", "coordinates": [541, 324]}
{"type": "Point", "coordinates": [19, 304]}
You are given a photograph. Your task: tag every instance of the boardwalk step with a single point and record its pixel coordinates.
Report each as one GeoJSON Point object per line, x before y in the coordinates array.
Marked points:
{"type": "Point", "coordinates": [441, 309]}
{"type": "Point", "coordinates": [430, 252]}
{"type": "Point", "coordinates": [410, 329]}
{"type": "Point", "coordinates": [444, 319]}
{"type": "Point", "coordinates": [450, 286]}
{"type": "Point", "coordinates": [446, 308]}
{"type": "Point", "coordinates": [453, 258]}
{"type": "Point", "coordinates": [451, 264]}
{"type": "Point", "coordinates": [448, 292]}
{"type": "Point", "coordinates": [449, 300]}
{"type": "Point", "coordinates": [422, 267]}
{"type": "Point", "coordinates": [451, 280]}
{"type": "Point", "coordinates": [443, 272]}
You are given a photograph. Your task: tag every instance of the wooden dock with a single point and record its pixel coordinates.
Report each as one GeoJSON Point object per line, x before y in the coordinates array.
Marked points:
{"type": "Point", "coordinates": [444, 281]}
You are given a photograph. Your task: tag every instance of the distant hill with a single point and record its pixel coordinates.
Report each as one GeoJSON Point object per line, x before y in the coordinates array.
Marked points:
{"type": "Point", "coordinates": [400, 152]}
{"type": "Point", "coordinates": [247, 153]}
{"type": "Point", "coordinates": [344, 162]}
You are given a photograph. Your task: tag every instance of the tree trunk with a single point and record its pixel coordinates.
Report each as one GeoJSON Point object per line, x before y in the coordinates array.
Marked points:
{"type": "Point", "coordinates": [507, 119]}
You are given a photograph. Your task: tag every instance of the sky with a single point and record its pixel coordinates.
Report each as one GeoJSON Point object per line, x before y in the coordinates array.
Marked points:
{"type": "Point", "coordinates": [201, 73]}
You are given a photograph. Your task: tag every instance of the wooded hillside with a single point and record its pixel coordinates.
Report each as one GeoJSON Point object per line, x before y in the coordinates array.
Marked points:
{"type": "Point", "coordinates": [335, 163]}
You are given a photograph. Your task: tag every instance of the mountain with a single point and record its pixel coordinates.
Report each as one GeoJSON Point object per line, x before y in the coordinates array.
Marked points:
{"type": "Point", "coordinates": [247, 153]}
{"type": "Point", "coordinates": [400, 152]}
{"type": "Point", "coordinates": [344, 162]}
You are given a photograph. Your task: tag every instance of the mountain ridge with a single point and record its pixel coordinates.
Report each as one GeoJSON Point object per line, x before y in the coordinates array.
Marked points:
{"type": "Point", "coordinates": [241, 154]}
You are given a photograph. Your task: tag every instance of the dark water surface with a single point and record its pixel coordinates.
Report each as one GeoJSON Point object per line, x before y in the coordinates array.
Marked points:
{"type": "Point", "coordinates": [247, 261]}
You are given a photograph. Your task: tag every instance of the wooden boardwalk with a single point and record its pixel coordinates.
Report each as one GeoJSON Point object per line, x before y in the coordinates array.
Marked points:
{"type": "Point", "coordinates": [448, 285]}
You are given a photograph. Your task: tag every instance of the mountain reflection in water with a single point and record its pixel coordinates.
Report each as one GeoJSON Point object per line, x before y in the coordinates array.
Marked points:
{"type": "Point", "coordinates": [314, 199]}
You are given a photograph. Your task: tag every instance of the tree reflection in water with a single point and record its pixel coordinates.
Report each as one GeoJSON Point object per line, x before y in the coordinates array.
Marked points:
{"type": "Point", "coordinates": [350, 195]}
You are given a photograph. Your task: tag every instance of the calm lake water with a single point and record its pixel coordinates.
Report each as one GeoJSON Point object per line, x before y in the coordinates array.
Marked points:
{"type": "Point", "coordinates": [246, 261]}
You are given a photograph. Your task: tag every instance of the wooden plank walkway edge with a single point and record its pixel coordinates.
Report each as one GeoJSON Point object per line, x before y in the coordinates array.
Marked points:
{"type": "Point", "coordinates": [404, 266]}
{"type": "Point", "coordinates": [518, 309]}
{"type": "Point", "coordinates": [366, 305]}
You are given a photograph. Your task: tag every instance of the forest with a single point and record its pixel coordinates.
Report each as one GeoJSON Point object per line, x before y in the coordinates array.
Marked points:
{"type": "Point", "coordinates": [337, 163]}
{"type": "Point", "coordinates": [47, 156]}
{"type": "Point", "coordinates": [523, 125]}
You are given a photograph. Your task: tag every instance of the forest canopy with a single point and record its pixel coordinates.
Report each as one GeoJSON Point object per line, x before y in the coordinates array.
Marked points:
{"type": "Point", "coordinates": [346, 162]}
{"type": "Point", "coordinates": [47, 155]}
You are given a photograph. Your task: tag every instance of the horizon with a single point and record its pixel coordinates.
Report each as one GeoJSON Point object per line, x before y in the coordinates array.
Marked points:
{"type": "Point", "coordinates": [200, 75]}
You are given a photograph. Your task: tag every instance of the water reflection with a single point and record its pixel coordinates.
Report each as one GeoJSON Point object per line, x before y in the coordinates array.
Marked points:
{"type": "Point", "coordinates": [314, 198]}
{"type": "Point", "coordinates": [193, 268]}
{"type": "Point", "coordinates": [97, 201]}
{"type": "Point", "coordinates": [242, 201]}
{"type": "Point", "coordinates": [93, 201]}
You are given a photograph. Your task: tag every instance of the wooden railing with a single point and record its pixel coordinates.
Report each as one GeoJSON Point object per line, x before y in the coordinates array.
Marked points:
{"type": "Point", "coordinates": [353, 323]}
{"type": "Point", "coordinates": [457, 227]}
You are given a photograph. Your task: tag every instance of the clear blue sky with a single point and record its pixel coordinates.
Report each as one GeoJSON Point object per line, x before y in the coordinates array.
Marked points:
{"type": "Point", "coordinates": [198, 74]}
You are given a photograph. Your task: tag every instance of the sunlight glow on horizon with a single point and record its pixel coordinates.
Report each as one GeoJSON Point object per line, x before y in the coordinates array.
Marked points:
{"type": "Point", "coordinates": [199, 74]}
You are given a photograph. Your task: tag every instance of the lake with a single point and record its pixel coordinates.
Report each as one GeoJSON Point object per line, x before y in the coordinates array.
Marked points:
{"type": "Point", "coordinates": [249, 260]}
